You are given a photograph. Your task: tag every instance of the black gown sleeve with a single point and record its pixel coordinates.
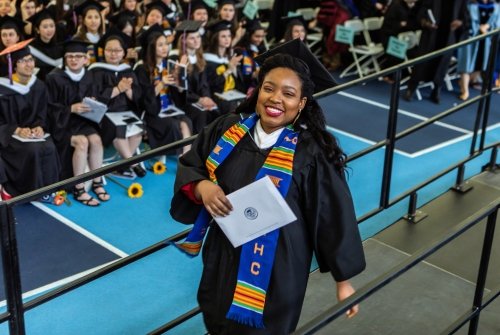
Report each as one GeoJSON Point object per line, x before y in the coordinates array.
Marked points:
{"type": "Point", "coordinates": [329, 210]}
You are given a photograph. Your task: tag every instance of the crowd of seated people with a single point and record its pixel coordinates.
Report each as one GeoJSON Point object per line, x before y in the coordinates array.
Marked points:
{"type": "Point", "coordinates": [168, 64]}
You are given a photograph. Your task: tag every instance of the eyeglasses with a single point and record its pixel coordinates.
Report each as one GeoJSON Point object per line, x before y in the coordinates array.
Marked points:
{"type": "Point", "coordinates": [76, 57]}
{"type": "Point", "coordinates": [114, 51]}
{"type": "Point", "coordinates": [26, 60]}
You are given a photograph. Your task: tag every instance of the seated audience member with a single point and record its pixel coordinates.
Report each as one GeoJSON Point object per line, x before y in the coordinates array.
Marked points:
{"type": "Point", "coordinates": [11, 32]}
{"type": "Point", "coordinates": [28, 152]}
{"type": "Point", "coordinates": [199, 107]}
{"type": "Point", "coordinates": [222, 67]}
{"type": "Point", "coordinates": [117, 86]}
{"type": "Point", "coordinates": [251, 46]}
{"type": "Point", "coordinates": [91, 28]}
{"type": "Point", "coordinates": [226, 11]}
{"type": "Point", "coordinates": [47, 52]}
{"type": "Point", "coordinates": [77, 137]}
{"type": "Point", "coordinates": [165, 122]}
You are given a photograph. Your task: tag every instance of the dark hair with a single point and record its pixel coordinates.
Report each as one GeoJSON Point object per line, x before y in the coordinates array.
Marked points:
{"type": "Point", "coordinates": [289, 29]}
{"type": "Point", "coordinates": [213, 43]}
{"type": "Point", "coordinates": [149, 58]}
{"type": "Point", "coordinates": [311, 117]}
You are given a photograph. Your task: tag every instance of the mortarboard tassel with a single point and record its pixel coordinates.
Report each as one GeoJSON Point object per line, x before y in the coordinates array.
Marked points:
{"type": "Point", "coordinates": [9, 61]}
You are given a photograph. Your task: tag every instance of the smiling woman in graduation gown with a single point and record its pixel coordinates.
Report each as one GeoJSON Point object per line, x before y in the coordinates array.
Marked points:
{"type": "Point", "coordinates": [319, 197]}
{"type": "Point", "coordinates": [28, 165]}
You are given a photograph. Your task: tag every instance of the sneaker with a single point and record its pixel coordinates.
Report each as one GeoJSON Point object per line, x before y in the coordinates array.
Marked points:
{"type": "Point", "coordinates": [139, 171]}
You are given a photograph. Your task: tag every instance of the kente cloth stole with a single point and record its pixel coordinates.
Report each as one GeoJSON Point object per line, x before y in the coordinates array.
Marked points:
{"type": "Point", "coordinates": [164, 96]}
{"type": "Point", "coordinates": [229, 84]}
{"type": "Point", "coordinates": [257, 256]}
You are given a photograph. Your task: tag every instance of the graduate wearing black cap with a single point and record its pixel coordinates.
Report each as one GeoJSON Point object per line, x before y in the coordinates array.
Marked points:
{"type": "Point", "coordinates": [71, 131]}
{"type": "Point", "coordinates": [126, 21]}
{"type": "Point", "coordinates": [48, 54]}
{"type": "Point", "coordinates": [223, 70]}
{"type": "Point", "coordinates": [199, 106]}
{"type": "Point", "coordinates": [91, 28]}
{"type": "Point", "coordinates": [23, 112]}
{"type": "Point", "coordinates": [162, 101]}
{"type": "Point", "coordinates": [293, 27]}
{"type": "Point", "coordinates": [119, 89]}
{"type": "Point", "coordinates": [13, 31]}
{"type": "Point", "coordinates": [226, 11]}
{"type": "Point", "coordinates": [251, 46]}
{"type": "Point", "coordinates": [279, 132]}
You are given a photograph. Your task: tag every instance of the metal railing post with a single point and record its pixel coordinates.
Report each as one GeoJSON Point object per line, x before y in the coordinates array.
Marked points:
{"type": "Point", "coordinates": [460, 185]}
{"type": "Point", "coordinates": [11, 273]}
{"type": "Point", "coordinates": [483, 270]}
{"type": "Point", "coordinates": [390, 141]}
{"type": "Point", "coordinates": [414, 215]}
{"type": "Point", "coordinates": [487, 88]}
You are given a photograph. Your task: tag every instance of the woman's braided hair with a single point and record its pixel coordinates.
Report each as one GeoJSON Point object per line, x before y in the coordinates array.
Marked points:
{"type": "Point", "coordinates": [311, 116]}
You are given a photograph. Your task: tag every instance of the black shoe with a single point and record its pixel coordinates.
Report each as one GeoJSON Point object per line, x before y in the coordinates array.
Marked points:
{"type": "Point", "coordinates": [408, 94]}
{"type": "Point", "coordinates": [435, 95]}
{"type": "Point", "coordinates": [125, 173]}
{"type": "Point", "coordinates": [139, 171]}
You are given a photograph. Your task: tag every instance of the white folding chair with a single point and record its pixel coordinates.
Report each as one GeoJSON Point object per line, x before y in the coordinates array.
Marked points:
{"type": "Point", "coordinates": [365, 55]}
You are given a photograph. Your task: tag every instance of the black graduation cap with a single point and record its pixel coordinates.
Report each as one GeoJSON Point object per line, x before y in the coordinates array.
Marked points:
{"type": "Point", "coordinates": [9, 22]}
{"type": "Point", "coordinates": [119, 19]}
{"type": "Point", "coordinates": [287, 22]}
{"type": "Point", "coordinates": [114, 33]}
{"type": "Point", "coordinates": [221, 3]}
{"type": "Point", "coordinates": [160, 5]}
{"type": "Point", "coordinates": [188, 26]}
{"type": "Point", "coordinates": [44, 14]}
{"type": "Point", "coordinates": [253, 25]}
{"type": "Point", "coordinates": [319, 74]}
{"type": "Point", "coordinates": [76, 45]}
{"type": "Point", "coordinates": [216, 26]}
{"type": "Point", "coordinates": [195, 5]}
{"type": "Point", "coordinates": [147, 36]}
{"type": "Point", "coordinates": [82, 7]}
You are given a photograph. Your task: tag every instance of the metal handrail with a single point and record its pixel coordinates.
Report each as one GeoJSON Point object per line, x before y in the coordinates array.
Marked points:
{"type": "Point", "coordinates": [16, 308]}
{"type": "Point", "coordinates": [381, 281]}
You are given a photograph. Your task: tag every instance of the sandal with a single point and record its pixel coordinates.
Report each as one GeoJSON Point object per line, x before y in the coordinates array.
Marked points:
{"type": "Point", "coordinates": [96, 185]}
{"type": "Point", "coordinates": [78, 192]}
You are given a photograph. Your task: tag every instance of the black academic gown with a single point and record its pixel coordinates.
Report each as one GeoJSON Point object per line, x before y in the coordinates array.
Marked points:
{"type": "Point", "coordinates": [63, 92]}
{"type": "Point", "coordinates": [106, 77]}
{"type": "Point", "coordinates": [47, 56]}
{"type": "Point", "coordinates": [198, 87]}
{"type": "Point", "coordinates": [161, 131]}
{"type": "Point", "coordinates": [326, 225]}
{"type": "Point", "coordinates": [28, 165]}
{"type": "Point", "coordinates": [444, 11]}
{"type": "Point", "coordinates": [216, 81]}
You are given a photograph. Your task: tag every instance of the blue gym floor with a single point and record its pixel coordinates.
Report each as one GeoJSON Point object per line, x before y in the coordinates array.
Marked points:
{"type": "Point", "coordinates": [60, 243]}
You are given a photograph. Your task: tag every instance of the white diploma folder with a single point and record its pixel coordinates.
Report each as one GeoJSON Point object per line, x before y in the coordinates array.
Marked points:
{"type": "Point", "coordinates": [258, 208]}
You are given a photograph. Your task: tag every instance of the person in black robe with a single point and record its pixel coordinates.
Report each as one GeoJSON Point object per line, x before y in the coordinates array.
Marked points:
{"type": "Point", "coordinates": [223, 70]}
{"type": "Point", "coordinates": [76, 137]}
{"type": "Point", "coordinates": [47, 52]}
{"type": "Point", "coordinates": [318, 196]}
{"type": "Point", "coordinates": [30, 158]}
{"type": "Point", "coordinates": [199, 106]}
{"type": "Point", "coordinates": [118, 87]}
{"type": "Point", "coordinates": [250, 47]}
{"type": "Point", "coordinates": [11, 32]}
{"type": "Point", "coordinates": [166, 122]}
{"type": "Point", "coordinates": [451, 21]}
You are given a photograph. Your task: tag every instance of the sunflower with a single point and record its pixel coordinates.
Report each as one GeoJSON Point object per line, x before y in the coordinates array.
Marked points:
{"type": "Point", "coordinates": [135, 190]}
{"type": "Point", "coordinates": [159, 168]}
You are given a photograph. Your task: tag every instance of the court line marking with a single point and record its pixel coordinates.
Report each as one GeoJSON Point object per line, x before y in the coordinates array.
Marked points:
{"type": "Point", "coordinates": [403, 112]}
{"type": "Point", "coordinates": [58, 283]}
{"type": "Point", "coordinates": [417, 153]}
{"type": "Point", "coordinates": [79, 229]}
